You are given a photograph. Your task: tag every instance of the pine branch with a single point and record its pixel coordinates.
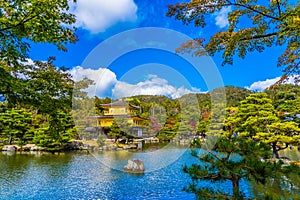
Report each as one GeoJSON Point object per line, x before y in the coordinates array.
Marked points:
{"type": "Point", "coordinates": [215, 155]}
{"type": "Point", "coordinates": [224, 164]}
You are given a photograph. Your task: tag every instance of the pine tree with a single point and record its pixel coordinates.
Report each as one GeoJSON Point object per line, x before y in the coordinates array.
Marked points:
{"type": "Point", "coordinates": [256, 118]}
{"type": "Point", "coordinates": [232, 159]}
{"type": "Point", "coordinates": [56, 133]}
{"type": "Point", "coordinates": [16, 125]}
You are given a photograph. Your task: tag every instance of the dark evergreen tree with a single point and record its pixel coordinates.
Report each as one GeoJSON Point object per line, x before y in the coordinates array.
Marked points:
{"type": "Point", "coordinates": [232, 159]}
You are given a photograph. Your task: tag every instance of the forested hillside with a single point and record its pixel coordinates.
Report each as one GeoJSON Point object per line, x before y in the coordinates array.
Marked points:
{"type": "Point", "coordinates": [185, 116]}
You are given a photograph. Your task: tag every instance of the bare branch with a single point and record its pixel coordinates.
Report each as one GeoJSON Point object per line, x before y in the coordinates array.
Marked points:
{"type": "Point", "coordinates": [282, 148]}
{"type": "Point", "coordinates": [278, 7]}
{"type": "Point", "coordinates": [20, 23]}
{"type": "Point", "coordinates": [254, 10]}
{"type": "Point", "coordinates": [260, 36]}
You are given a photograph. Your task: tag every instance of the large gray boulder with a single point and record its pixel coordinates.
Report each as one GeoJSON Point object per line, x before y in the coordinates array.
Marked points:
{"type": "Point", "coordinates": [135, 166]}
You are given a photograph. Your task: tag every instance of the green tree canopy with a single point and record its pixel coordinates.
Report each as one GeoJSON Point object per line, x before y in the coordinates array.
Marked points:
{"type": "Point", "coordinates": [16, 125]}
{"type": "Point", "coordinates": [284, 184]}
{"type": "Point", "coordinates": [254, 113]}
{"type": "Point", "coordinates": [120, 127]}
{"type": "Point", "coordinates": [256, 118]}
{"type": "Point", "coordinates": [286, 99]}
{"type": "Point", "coordinates": [280, 135]}
{"type": "Point", "coordinates": [23, 23]}
{"type": "Point", "coordinates": [280, 94]}
{"type": "Point", "coordinates": [44, 87]}
{"type": "Point", "coordinates": [57, 132]}
{"type": "Point", "coordinates": [269, 23]}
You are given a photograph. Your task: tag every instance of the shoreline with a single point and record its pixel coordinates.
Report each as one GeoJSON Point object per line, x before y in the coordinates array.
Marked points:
{"type": "Point", "coordinates": [91, 145]}
{"type": "Point", "coordinates": [289, 155]}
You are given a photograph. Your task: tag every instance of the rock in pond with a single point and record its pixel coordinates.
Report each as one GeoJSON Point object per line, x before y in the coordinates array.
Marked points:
{"type": "Point", "coordinates": [36, 148]}
{"type": "Point", "coordinates": [9, 148]}
{"type": "Point", "coordinates": [135, 166]}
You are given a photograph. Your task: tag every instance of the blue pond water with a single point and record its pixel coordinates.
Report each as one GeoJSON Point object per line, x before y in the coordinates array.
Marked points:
{"type": "Point", "coordinates": [96, 176]}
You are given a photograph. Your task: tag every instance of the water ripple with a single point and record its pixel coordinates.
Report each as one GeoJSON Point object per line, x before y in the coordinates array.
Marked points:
{"type": "Point", "coordinates": [77, 176]}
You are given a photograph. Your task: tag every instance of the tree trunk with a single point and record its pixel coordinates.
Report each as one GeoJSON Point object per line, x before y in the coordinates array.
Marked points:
{"type": "Point", "coordinates": [275, 154]}
{"type": "Point", "coordinates": [10, 140]}
{"type": "Point", "coordinates": [275, 151]}
{"type": "Point", "coordinates": [236, 189]}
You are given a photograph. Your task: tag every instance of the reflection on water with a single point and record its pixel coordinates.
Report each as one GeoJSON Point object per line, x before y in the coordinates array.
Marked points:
{"type": "Point", "coordinates": [81, 176]}
{"type": "Point", "coordinates": [153, 160]}
{"type": "Point", "coordinates": [88, 176]}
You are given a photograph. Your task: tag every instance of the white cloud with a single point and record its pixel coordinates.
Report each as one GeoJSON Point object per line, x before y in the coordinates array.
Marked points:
{"type": "Point", "coordinates": [152, 86]}
{"type": "Point", "coordinates": [222, 17]}
{"type": "Point", "coordinates": [106, 83]}
{"type": "Point", "coordinates": [103, 78]}
{"type": "Point", "coordinates": [262, 85]}
{"type": "Point", "coordinates": [98, 15]}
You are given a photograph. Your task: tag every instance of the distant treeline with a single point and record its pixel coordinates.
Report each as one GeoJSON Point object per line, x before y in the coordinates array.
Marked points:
{"type": "Point", "coordinates": [59, 121]}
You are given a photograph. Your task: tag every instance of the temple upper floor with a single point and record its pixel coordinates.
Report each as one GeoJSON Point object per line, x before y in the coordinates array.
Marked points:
{"type": "Point", "coordinates": [119, 108]}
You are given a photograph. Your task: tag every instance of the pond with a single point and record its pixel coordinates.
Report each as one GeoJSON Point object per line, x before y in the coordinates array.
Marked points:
{"type": "Point", "coordinates": [82, 175]}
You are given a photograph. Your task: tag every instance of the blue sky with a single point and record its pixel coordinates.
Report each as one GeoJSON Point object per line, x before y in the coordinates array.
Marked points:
{"type": "Point", "coordinates": [150, 71]}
